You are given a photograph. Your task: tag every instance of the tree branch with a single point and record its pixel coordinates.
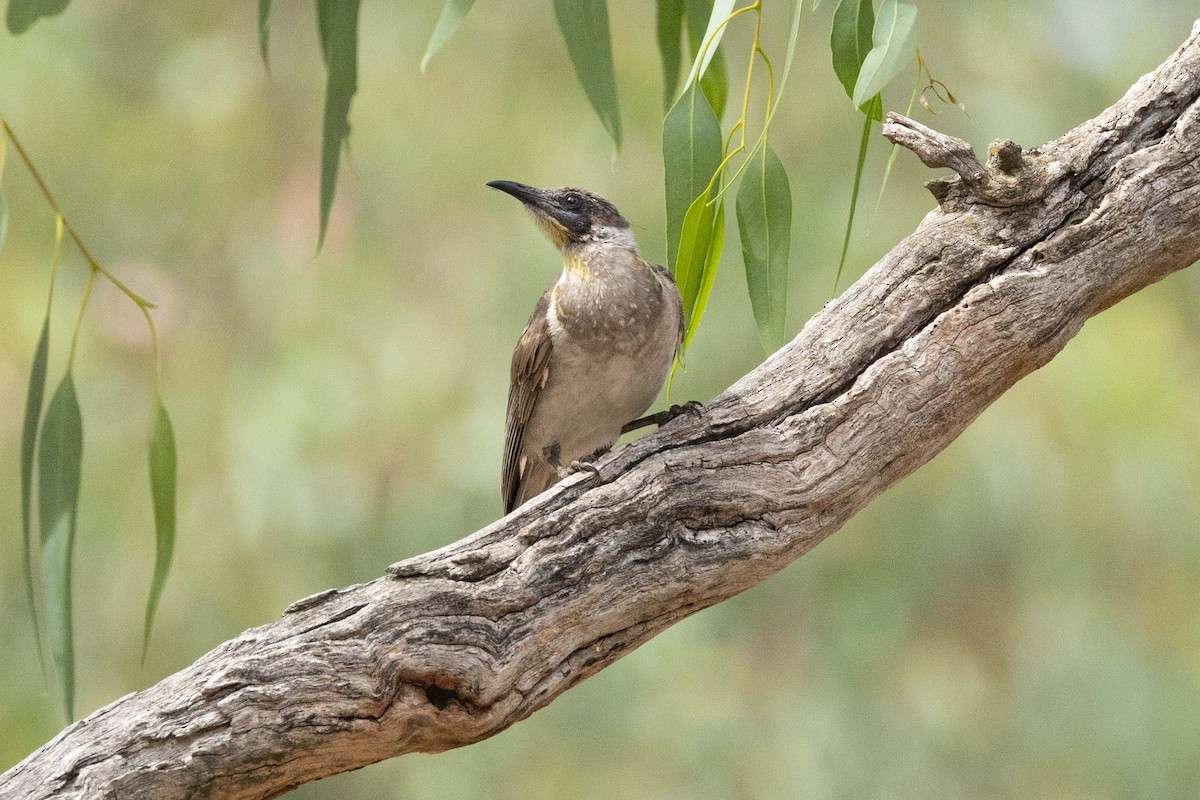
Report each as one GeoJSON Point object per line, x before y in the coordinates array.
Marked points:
{"type": "Point", "coordinates": [458, 644]}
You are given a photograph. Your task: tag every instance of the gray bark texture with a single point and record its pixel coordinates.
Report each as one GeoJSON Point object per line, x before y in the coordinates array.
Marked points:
{"type": "Point", "coordinates": [456, 645]}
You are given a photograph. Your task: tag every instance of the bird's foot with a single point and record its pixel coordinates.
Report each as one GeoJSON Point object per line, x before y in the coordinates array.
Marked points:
{"type": "Point", "coordinates": [663, 417]}
{"type": "Point", "coordinates": [583, 465]}
{"type": "Point", "coordinates": [553, 454]}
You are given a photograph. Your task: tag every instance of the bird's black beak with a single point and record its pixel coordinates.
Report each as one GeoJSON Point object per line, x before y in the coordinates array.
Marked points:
{"type": "Point", "coordinates": [526, 194]}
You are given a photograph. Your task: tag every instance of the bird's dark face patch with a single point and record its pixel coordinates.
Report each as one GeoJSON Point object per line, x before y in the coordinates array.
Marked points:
{"type": "Point", "coordinates": [581, 211]}
{"type": "Point", "coordinates": [567, 215]}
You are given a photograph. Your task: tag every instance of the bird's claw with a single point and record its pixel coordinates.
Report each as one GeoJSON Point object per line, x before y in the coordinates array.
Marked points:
{"type": "Point", "coordinates": [583, 465]}
{"type": "Point", "coordinates": [690, 407]}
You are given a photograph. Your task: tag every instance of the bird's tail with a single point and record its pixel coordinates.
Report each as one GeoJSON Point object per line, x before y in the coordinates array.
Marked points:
{"type": "Point", "coordinates": [538, 477]}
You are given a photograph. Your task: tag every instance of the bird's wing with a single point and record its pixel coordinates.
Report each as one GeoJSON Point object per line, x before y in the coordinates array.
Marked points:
{"type": "Point", "coordinates": [672, 289]}
{"type": "Point", "coordinates": [530, 371]}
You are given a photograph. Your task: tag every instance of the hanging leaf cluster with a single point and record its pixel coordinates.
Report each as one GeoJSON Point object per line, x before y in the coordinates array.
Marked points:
{"type": "Point", "coordinates": [52, 452]}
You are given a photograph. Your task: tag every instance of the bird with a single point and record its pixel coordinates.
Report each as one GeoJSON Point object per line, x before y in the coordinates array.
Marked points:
{"type": "Point", "coordinates": [596, 350]}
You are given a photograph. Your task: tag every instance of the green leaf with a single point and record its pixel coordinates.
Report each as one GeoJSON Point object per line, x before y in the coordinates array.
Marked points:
{"type": "Point", "coordinates": [711, 262]}
{"type": "Point", "coordinates": [712, 258]}
{"type": "Point", "coordinates": [791, 49]}
{"type": "Point", "coordinates": [695, 238]}
{"type": "Point", "coordinates": [850, 40]}
{"type": "Point", "coordinates": [162, 491]}
{"type": "Point", "coordinates": [264, 31]}
{"type": "Point", "coordinates": [691, 155]}
{"type": "Point", "coordinates": [337, 22]}
{"type": "Point", "coordinates": [451, 17]}
{"type": "Point", "coordinates": [715, 84]}
{"type": "Point", "coordinates": [764, 214]}
{"type": "Point", "coordinates": [894, 45]}
{"type": "Point", "coordinates": [873, 110]}
{"type": "Point", "coordinates": [715, 79]}
{"type": "Point", "coordinates": [60, 459]}
{"type": "Point", "coordinates": [23, 13]}
{"type": "Point", "coordinates": [700, 242]}
{"type": "Point", "coordinates": [895, 149]}
{"type": "Point", "coordinates": [714, 31]}
{"type": "Point", "coordinates": [584, 25]}
{"type": "Point", "coordinates": [33, 413]}
{"type": "Point", "coordinates": [669, 18]}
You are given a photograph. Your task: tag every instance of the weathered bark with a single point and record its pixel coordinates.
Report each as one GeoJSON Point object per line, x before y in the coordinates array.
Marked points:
{"type": "Point", "coordinates": [458, 644]}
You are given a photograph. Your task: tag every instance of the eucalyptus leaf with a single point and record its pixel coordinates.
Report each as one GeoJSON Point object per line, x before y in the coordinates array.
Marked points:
{"type": "Point", "coordinates": [715, 79]}
{"type": "Point", "coordinates": [894, 45]}
{"type": "Point", "coordinates": [691, 154]}
{"type": "Point", "coordinates": [162, 492]}
{"type": "Point", "coordinates": [23, 13]}
{"type": "Point", "coordinates": [337, 23]}
{"type": "Point", "coordinates": [793, 32]}
{"type": "Point", "coordinates": [669, 27]}
{"type": "Point", "coordinates": [714, 31]}
{"type": "Point", "coordinates": [264, 31]}
{"type": "Point", "coordinates": [712, 258]}
{"type": "Point", "coordinates": [584, 25]}
{"type": "Point", "coordinates": [695, 242]}
{"type": "Point", "coordinates": [764, 215]}
{"type": "Point", "coordinates": [850, 40]}
{"type": "Point", "coordinates": [447, 24]}
{"type": "Point", "coordinates": [873, 110]}
{"type": "Point", "coordinates": [33, 413]}
{"type": "Point", "coordinates": [60, 460]}
{"type": "Point", "coordinates": [715, 84]}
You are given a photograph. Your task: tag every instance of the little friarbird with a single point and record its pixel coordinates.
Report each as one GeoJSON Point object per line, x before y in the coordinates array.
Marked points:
{"type": "Point", "coordinates": [597, 348]}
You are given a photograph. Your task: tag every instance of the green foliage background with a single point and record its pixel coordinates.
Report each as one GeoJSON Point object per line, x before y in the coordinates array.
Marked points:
{"type": "Point", "coordinates": [1019, 619]}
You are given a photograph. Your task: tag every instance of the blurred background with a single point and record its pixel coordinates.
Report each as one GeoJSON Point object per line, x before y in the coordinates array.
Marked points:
{"type": "Point", "coordinates": [1018, 619]}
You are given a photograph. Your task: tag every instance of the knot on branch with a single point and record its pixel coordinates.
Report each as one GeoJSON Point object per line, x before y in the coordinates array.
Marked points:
{"type": "Point", "coordinates": [1011, 177]}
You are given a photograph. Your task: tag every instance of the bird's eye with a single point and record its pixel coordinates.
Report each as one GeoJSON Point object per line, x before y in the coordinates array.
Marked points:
{"type": "Point", "coordinates": [573, 202]}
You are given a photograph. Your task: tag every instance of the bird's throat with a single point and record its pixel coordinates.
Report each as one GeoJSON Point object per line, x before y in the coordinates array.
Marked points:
{"type": "Point", "coordinates": [575, 265]}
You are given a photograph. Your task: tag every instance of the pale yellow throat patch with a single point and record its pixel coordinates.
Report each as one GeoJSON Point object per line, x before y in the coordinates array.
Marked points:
{"type": "Point", "coordinates": [575, 266]}
{"type": "Point", "coordinates": [553, 230]}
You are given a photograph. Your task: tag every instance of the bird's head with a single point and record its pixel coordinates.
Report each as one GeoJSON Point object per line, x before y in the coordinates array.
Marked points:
{"type": "Point", "coordinates": [571, 216]}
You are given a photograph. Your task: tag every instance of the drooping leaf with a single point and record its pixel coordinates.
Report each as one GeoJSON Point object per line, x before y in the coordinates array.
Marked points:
{"type": "Point", "coordinates": [33, 414]}
{"type": "Point", "coordinates": [895, 149]}
{"type": "Point", "coordinates": [264, 31]}
{"type": "Point", "coordinates": [712, 36]}
{"type": "Point", "coordinates": [447, 24]}
{"type": "Point", "coordinates": [712, 258]}
{"type": "Point", "coordinates": [715, 79]}
{"type": "Point", "coordinates": [715, 84]}
{"type": "Point", "coordinates": [695, 237]}
{"type": "Point", "coordinates": [584, 25]}
{"type": "Point", "coordinates": [60, 459]}
{"type": "Point", "coordinates": [894, 44]}
{"type": "Point", "coordinates": [337, 22]}
{"type": "Point", "coordinates": [791, 49]}
{"type": "Point", "coordinates": [872, 111]}
{"type": "Point", "coordinates": [669, 19]}
{"type": "Point", "coordinates": [700, 241]}
{"type": "Point", "coordinates": [764, 214]}
{"type": "Point", "coordinates": [162, 492]}
{"type": "Point", "coordinates": [23, 13]}
{"type": "Point", "coordinates": [850, 40]}
{"type": "Point", "coordinates": [691, 155]}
